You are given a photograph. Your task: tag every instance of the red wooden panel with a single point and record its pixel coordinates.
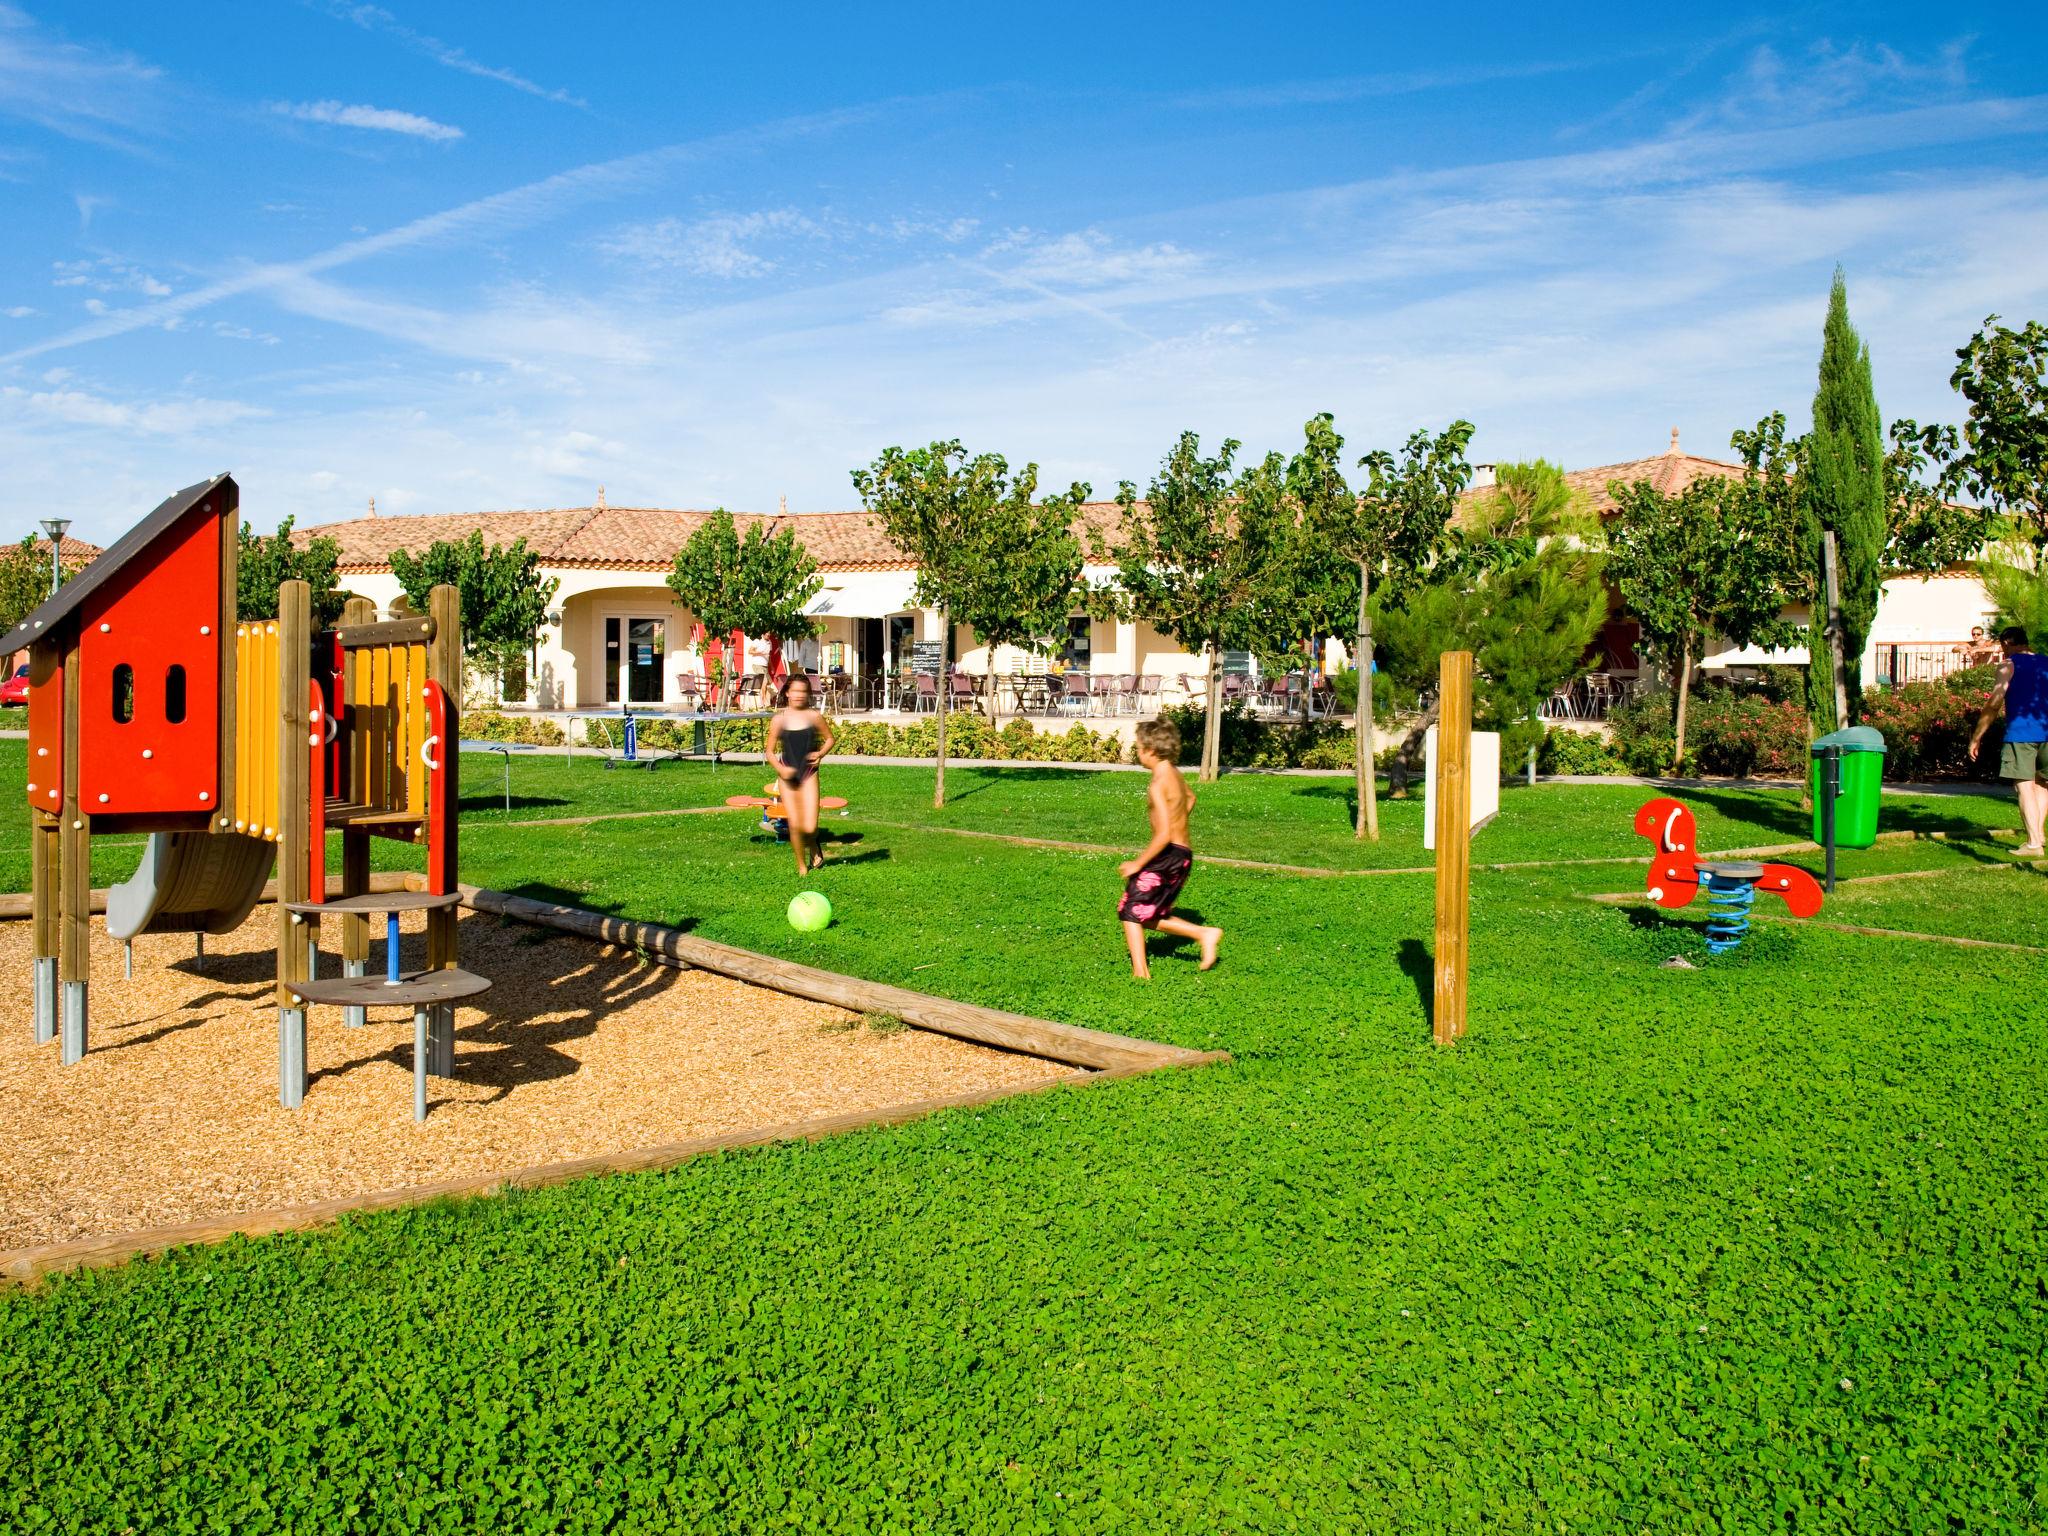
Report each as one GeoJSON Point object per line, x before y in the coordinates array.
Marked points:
{"type": "Point", "coordinates": [46, 736]}
{"type": "Point", "coordinates": [157, 614]}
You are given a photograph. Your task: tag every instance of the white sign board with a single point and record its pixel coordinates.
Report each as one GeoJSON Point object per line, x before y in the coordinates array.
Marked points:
{"type": "Point", "coordinates": [1485, 782]}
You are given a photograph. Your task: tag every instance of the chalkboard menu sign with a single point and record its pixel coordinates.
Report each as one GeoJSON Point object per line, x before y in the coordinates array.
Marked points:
{"type": "Point", "coordinates": [926, 655]}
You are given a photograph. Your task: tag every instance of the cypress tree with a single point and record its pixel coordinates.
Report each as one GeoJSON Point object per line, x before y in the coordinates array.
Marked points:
{"type": "Point", "coordinates": [1842, 488]}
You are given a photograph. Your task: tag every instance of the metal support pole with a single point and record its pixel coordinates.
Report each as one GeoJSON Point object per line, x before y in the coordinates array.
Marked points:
{"type": "Point", "coordinates": [46, 999]}
{"type": "Point", "coordinates": [291, 1057]}
{"type": "Point", "coordinates": [1830, 788]}
{"type": "Point", "coordinates": [391, 948]}
{"type": "Point", "coordinates": [419, 1061]}
{"type": "Point", "coordinates": [198, 951]}
{"type": "Point", "coordinates": [355, 1015]}
{"type": "Point", "coordinates": [128, 961]}
{"type": "Point", "coordinates": [74, 1022]}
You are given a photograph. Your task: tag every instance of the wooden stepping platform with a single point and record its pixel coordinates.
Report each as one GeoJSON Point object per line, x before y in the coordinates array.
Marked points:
{"type": "Point", "coordinates": [376, 901]}
{"type": "Point", "coordinates": [413, 989]}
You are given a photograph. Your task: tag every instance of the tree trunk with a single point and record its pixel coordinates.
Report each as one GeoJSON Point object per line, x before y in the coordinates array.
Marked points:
{"type": "Point", "coordinates": [1365, 739]}
{"type": "Point", "coordinates": [1212, 718]}
{"type": "Point", "coordinates": [945, 689]}
{"type": "Point", "coordinates": [1684, 689]}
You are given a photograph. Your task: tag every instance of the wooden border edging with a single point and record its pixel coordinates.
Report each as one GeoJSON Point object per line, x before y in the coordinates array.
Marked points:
{"type": "Point", "coordinates": [1066, 1043]}
{"type": "Point", "coordinates": [28, 1266]}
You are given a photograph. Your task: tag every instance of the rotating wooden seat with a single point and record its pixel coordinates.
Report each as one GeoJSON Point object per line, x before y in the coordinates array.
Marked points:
{"type": "Point", "coordinates": [430, 994]}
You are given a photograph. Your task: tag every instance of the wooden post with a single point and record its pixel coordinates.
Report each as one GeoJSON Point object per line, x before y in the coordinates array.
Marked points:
{"type": "Point", "coordinates": [1834, 595]}
{"type": "Point", "coordinates": [74, 874]}
{"type": "Point", "coordinates": [292, 763]}
{"type": "Point", "coordinates": [1453, 841]}
{"type": "Point", "coordinates": [355, 842]}
{"type": "Point", "coordinates": [444, 666]}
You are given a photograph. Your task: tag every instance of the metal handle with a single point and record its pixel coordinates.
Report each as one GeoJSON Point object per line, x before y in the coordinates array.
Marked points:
{"type": "Point", "coordinates": [427, 751]}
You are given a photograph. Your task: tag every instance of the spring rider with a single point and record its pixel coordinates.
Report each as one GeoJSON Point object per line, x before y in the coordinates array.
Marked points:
{"type": "Point", "coordinates": [1677, 876]}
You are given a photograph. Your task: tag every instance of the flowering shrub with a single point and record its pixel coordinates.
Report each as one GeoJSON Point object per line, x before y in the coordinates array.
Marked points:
{"type": "Point", "coordinates": [1927, 726]}
{"type": "Point", "coordinates": [1739, 734]}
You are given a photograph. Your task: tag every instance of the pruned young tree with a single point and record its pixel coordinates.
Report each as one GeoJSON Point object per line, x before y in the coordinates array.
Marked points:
{"type": "Point", "coordinates": [1841, 490]}
{"type": "Point", "coordinates": [1018, 578]}
{"type": "Point", "coordinates": [1194, 556]}
{"type": "Point", "coordinates": [1721, 557]}
{"type": "Point", "coordinates": [504, 596]}
{"type": "Point", "coordinates": [265, 562]}
{"type": "Point", "coordinates": [958, 520]}
{"type": "Point", "coordinates": [1391, 530]}
{"type": "Point", "coordinates": [1929, 533]}
{"type": "Point", "coordinates": [760, 585]}
{"type": "Point", "coordinates": [1522, 587]}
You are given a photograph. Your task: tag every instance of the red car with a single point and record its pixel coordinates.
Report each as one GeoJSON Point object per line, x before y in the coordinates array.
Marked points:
{"type": "Point", "coordinates": [15, 689]}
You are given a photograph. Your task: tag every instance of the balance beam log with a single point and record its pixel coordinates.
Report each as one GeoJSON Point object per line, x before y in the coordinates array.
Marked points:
{"type": "Point", "coordinates": [965, 1021]}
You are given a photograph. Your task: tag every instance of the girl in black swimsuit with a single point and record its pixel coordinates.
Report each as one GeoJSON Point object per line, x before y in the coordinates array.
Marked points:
{"type": "Point", "coordinates": [798, 739]}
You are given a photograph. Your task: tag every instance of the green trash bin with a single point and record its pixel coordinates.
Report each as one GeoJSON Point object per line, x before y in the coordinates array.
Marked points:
{"type": "Point", "coordinates": [1861, 753]}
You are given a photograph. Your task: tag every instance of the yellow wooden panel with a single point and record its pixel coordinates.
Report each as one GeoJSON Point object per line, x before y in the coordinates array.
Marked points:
{"type": "Point", "coordinates": [416, 737]}
{"type": "Point", "coordinates": [380, 729]}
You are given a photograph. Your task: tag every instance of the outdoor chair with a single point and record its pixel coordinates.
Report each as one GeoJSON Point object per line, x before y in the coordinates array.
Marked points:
{"type": "Point", "coordinates": [925, 693]}
{"type": "Point", "coordinates": [1074, 693]}
{"type": "Point", "coordinates": [1102, 693]}
{"type": "Point", "coordinates": [690, 690]}
{"type": "Point", "coordinates": [960, 692]}
{"type": "Point", "coordinates": [1127, 693]}
{"type": "Point", "coordinates": [1148, 697]}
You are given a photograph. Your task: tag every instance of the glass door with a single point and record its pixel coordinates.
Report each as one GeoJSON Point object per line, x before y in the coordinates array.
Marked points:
{"type": "Point", "coordinates": [636, 648]}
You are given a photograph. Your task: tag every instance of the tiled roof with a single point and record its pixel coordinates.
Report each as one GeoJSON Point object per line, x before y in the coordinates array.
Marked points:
{"type": "Point", "coordinates": [72, 551]}
{"type": "Point", "coordinates": [626, 538]}
{"type": "Point", "coordinates": [647, 538]}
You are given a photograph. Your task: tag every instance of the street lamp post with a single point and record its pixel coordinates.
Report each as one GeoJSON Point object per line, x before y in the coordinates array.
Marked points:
{"type": "Point", "coordinates": [55, 528]}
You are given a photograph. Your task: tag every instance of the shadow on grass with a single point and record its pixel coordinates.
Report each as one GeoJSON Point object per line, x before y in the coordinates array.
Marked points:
{"type": "Point", "coordinates": [984, 779]}
{"type": "Point", "coordinates": [476, 804]}
{"type": "Point", "coordinates": [561, 896]}
{"type": "Point", "coordinates": [1344, 794]}
{"type": "Point", "coordinates": [1413, 958]}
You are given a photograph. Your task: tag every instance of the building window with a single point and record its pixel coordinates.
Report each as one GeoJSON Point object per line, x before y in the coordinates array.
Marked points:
{"type": "Point", "coordinates": [1080, 646]}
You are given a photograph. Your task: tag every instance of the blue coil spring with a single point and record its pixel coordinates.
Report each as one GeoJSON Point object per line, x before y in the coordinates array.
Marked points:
{"type": "Point", "coordinates": [1729, 901]}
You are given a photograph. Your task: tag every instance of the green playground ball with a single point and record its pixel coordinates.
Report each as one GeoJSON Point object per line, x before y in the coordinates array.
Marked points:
{"type": "Point", "coordinates": [809, 912]}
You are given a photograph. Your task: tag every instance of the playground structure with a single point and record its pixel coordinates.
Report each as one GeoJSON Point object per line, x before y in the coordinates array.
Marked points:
{"type": "Point", "coordinates": [237, 746]}
{"type": "Point", "coordinates": [1676, 876]}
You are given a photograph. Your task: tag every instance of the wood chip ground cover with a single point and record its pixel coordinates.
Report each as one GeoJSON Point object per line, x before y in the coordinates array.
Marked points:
{"type": "Point", "coordinates": [1752, 1247]}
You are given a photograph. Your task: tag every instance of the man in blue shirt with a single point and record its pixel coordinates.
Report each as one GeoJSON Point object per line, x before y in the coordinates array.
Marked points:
{"type": "Point", "coordinates": [2022, 697]}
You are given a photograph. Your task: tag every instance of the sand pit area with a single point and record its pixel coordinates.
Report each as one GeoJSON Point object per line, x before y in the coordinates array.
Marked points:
{"type": "Point", "coordinates": [578, 1050]}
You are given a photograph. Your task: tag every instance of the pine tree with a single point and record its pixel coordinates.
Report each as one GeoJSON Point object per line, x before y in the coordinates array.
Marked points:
{"type": "Point", "coordinates": [1842, 489]}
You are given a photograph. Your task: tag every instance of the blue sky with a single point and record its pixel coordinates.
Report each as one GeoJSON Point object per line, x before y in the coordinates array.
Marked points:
{"type": "Point", "coordinates": [459, 256]}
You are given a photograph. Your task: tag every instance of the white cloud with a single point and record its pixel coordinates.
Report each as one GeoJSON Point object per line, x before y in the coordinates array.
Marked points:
{"type": "Point", "coordinates": [156, 418]}
{"type": "Point", "coordinates": [108, 274]}
{"type": "Point", "coordinates": [374, 18]}
{"type": "Point", "coordinates": [1086, 258]}
{"type": "Point", "coordinates": [84, 93]}
{"type": "Point", "coordinates": [17, 311]}
{"type": "Point", "coordinates": [379, 119]}
{"type": "Point", "coordinates": [243, 333]}
{"type": "Point", "coordinates": [719, 246]}
{"type": "Point", "coordinates": [1826, 80]}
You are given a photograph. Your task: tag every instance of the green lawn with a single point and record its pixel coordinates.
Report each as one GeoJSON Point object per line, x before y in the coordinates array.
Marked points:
{"type": "Point", "coordinates": [1757, 1246]}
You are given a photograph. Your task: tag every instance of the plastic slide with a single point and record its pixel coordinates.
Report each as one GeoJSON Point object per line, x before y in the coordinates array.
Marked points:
{"type": "Point", "coordinates": [191, 882]}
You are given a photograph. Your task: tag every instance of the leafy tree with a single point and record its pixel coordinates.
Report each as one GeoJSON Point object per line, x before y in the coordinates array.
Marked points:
{"type": "Point", "coordinates": [1929, 532]}
{"type": "Point", "coordinates": [1018, 577]}
{"type": "Point", "coordinates": [1723, 556]}
{"type": "Point", "coordinates": [1841, 480]}
{"type": "Point", "coordinates": [959, 520]}
{"type": "Point", "coordinates": [759, 585]}
{"type": "Point", "coordinates": [1195, 556]}
{"type": "Point", "coordinates": [1522, 587]}
{"type": "Point", "coordinates": [263, 563]}
{"type": "Point", "coordinates": [2016, 578]}
{"type": "Point", "coordinates": [25, 579]}
{"type": "Point", "coordinates": [1391, 531]}
{"type": "Point", "coordinates": [504, 597]}
{"type": "Point", "coordinates": [2003, 461]}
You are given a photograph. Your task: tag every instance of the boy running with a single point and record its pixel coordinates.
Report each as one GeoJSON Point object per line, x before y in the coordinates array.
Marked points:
{"type": "Point", "coordinates": [1153, 880]}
